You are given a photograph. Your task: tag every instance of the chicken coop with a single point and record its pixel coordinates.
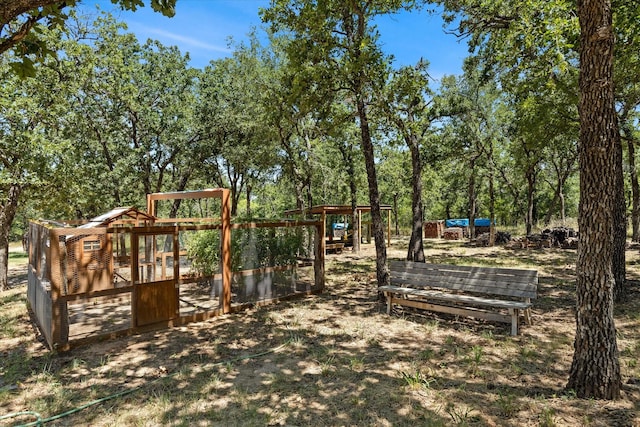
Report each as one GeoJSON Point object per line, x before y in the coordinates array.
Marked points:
{"type": "Point", "coordinates": [128, 271]}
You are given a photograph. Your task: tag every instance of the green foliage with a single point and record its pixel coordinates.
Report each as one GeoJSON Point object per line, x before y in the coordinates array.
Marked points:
{"type": "Point", "coordinates": [23, 28]}
{"type": "Point", "coordinates": [251, 248]}
{"type": "Point", "coordinates": [113, 119]}
{"type": "Point", "coordinates": [203, 249]}
{"type": "Point", "coordinates": [238, 147]}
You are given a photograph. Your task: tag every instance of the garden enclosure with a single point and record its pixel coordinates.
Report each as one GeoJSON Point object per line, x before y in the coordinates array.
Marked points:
{"type": "Point", "coordinates": [129, 271]}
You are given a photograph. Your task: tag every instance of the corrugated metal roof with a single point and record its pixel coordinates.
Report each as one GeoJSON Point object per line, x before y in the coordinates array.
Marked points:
{"type": "Point", "coordinates": [108, 217]}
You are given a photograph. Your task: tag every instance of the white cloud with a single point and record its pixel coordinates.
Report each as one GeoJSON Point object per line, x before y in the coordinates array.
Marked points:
{"type": "Point", "coordinates": [184, 41]}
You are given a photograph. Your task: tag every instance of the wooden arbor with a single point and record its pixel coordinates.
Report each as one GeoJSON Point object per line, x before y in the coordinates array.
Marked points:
{"type": "Point", "coordinates": [225, 223]}
{"type": "Point", "coordinates": [155, 285]}
{"type": "Point", "coordinates": [324, 210]}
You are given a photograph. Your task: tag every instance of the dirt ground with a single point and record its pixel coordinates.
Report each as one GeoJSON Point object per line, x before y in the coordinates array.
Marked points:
{"type": "Point", "coordinates": [330, 359]}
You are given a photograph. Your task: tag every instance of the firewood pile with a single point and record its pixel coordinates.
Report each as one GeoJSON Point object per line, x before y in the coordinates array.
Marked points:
{"type": "Point", "coordinates": [480, 229]}
{"type": "Point", "coordinates": [559, 237]}
{"type": "Point", "coordinates": [433, 229]}
{"type": "Point", "coordinates": [502, 237]}
{"type": "Point", "coordinates": [452, 233]}
{"type": "Point", "coordinates": [563, 237]}
{"type": "Point", "coordinates": [570, 243]}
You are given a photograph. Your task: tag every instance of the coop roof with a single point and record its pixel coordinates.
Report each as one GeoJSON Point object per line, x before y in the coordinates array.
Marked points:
{"type": "Point", "coordinates": [115, 214]}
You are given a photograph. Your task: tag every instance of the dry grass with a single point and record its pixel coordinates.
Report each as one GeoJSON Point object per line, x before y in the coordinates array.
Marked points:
{"type": "Point", "coordinates": [345, 362]}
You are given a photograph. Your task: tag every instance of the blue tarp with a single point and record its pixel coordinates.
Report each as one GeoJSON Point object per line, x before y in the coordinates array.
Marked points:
{"type": "Point", "coordinates": [457, 222]}
{"type": "Point", "coordinates": [482, 222]}
{"type": "Point", "coordinates": [464, 222]}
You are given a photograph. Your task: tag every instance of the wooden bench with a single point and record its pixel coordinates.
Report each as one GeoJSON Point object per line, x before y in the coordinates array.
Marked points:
{"type": "Point", "coordinates": [481, 292]}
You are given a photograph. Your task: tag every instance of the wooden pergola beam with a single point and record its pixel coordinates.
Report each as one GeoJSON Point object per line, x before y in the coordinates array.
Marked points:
{"type": "Point", "coordinates": [214, 193]}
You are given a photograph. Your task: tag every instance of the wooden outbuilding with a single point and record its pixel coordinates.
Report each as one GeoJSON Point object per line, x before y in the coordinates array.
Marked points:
{"type": "Point", "coordinates": [90, 257]}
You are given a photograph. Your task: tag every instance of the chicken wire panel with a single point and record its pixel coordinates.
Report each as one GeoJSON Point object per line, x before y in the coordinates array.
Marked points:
{"type": "Point", "coordinates": [97, 316]}
{"type": "Point", "coordinates": [39, 236]}
{"type": "Point", "coordinates": [271, 262]}
{"type": "Point", "coordinates": [201, 278]}
{"type": "Point", "coordinates": [121, 244]}
{"type": "Point", "coordinates": [39, 297]}
{"type": "Point", "coordinates": [155, 258]}
{"type": "Point", "coordinates": [192, 210]}
{"type": "Point", "coordinates": [86, 262]}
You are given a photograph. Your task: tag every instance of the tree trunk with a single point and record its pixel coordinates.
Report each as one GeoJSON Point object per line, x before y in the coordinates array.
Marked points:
{"type": "Point", "coordinates": [182, 184]}
{"type": "Point", "coordinates": [619, 226]}
{"type": "Point", "coordinates": [248, 200]}
{"type": "Point", "coordinates": [492, 199]}
{"type": "Point", "coordinates": [635, 192]}
{"type": "Point", "coordinates": [472, 200]}
{"type": "Point", "coordinates": [531, 184]}
{"type": "Point", "coordinates": [382, 271]}
{"type": "Point", "coordinates": [347, 156]}
{"type": "Point", "coordinates": [595, 370]}
{"type": "Point", "coordinates": [416, 248]}
{"type": "Point", "coordinates": [562, 174]}
{"type": "Point", "coordinates": [7, 214]}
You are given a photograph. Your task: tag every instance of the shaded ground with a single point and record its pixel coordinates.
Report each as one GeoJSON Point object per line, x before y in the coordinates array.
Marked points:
{"type": "Point", "coordinates": [332, 359]}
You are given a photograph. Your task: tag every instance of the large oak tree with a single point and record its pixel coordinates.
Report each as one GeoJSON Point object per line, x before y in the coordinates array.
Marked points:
{"type": "Point", "coordinates": [335, 46]}
{"type": "Point", "coordinates": [595, 371]}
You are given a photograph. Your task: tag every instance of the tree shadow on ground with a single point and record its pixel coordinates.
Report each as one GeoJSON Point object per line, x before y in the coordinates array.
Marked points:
{"type": "Point", "coordinates": [332, 359]}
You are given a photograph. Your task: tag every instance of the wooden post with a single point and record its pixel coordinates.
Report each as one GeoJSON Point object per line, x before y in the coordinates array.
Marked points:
{"type": "Point", "coordinates": [135, 278]}
{"type": "Point", "coordinates": [389, 228]}
{"type": "Point", "coordinates": [176, 267]}
{"type": "Point", "coordinates": [59, 315]}
{"type": "Point", "coordinates": [359, 226]}
{"type": "Point", "coordinates": [151, 206]}
{"type": "Point", "coordinates": [225, 247]}
{"type": "Point", "coordinates": [323, 236]}
{"type": "Point", "coordinates": [318, 265]}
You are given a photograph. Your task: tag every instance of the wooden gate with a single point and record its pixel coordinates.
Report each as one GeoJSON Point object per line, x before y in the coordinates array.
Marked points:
{"type": "Point", "coordinates": [155, 288]}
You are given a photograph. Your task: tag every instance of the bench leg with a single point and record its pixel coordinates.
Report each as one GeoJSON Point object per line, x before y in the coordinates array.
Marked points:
{"type": "Point", "coordinates": [388, 295]}
{"type": "Point", "coordinates": [527, 312]}
{"type": "Point", "coordinates": [515, 314]}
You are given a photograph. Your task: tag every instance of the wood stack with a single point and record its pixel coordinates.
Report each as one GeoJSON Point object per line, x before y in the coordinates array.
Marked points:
{"type": "Point", "coordinates": [433, 229]}
{"type": "Point", "coordinates": [570, 243]}
{"type": "Point", "coordinates": [481, 229]}
{"type": "Point", "coordinates": [453, 233]}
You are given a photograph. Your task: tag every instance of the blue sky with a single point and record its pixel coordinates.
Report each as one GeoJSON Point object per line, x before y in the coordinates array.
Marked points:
{"type": "Point", "coordinates": [203, 27]}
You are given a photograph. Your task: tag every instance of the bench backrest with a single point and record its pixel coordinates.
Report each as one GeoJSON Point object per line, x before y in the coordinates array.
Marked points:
{"type": "Point", "coordinates": [510, 282]}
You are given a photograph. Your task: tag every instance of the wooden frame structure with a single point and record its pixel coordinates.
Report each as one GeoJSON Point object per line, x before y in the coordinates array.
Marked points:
{"type": "Point", "coordinates": [324, 210]}
{"type": "Point", "coordinates": [151, 290]}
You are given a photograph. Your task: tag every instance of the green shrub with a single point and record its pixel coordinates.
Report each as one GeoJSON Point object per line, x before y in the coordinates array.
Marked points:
{"type": "Point", "coordinates": [250, 248]}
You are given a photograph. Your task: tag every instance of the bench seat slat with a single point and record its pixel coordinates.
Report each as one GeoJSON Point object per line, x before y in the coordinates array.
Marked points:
{"type": "Point", "coordinates": [470, 280]}
{"type": "Point", "coordinates": [524, 280]}
{"type": "Point", "coordinates": [400, 265]}
{"type": "Point", "coordinates": [466, 274]}
{"type": "Point", "coordinates": [483, 287]}
{"type": "Point", "coordinates": [442, 296]}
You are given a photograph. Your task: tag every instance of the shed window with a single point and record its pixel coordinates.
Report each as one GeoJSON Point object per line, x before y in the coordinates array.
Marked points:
{"type": "Point", "coordinates": [91, 245]}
